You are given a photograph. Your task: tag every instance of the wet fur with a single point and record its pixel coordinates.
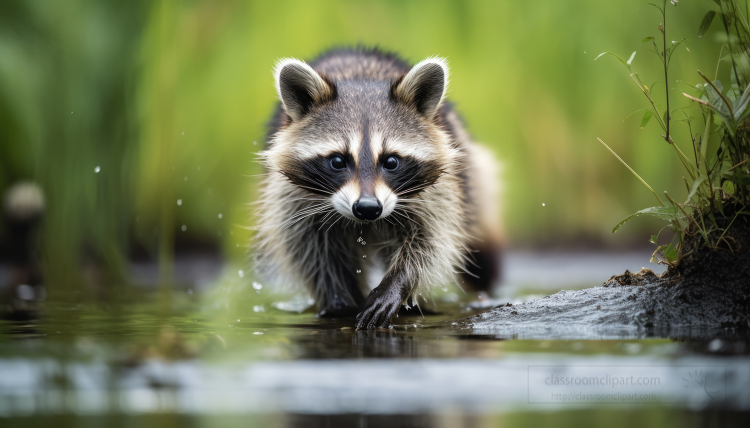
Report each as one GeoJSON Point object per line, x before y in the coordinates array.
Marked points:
{"type": "Point", "coordinates": [429, 234]}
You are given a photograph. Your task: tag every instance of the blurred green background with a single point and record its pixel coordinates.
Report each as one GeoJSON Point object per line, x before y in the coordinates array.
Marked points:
{"type": "Point", "coordinates": [168, 101]}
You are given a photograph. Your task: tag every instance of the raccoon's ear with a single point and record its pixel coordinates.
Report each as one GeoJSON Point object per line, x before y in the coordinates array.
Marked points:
{"type": "Point", "coordinates": [300, 87]}
{"type": "Point", "coordinates": [423, 86]}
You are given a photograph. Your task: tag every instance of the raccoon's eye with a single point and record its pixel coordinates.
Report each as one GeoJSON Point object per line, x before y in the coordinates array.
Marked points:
{"type": "Point", "coordinates": [391, 163]}
{"type": "Point", "coordinates": [337, 162]}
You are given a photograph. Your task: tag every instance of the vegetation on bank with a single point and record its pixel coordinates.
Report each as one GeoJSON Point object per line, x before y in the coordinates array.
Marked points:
{"type": "Point", "coordinates": [717, 117]}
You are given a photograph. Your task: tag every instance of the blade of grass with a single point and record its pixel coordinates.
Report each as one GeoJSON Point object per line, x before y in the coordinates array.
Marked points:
{"type": "Point", "coordinates": [730, 224]}
{"type": "Point", "coordinates": [685, 161]}
{"type": "Point", "coordinates": [631, 170]}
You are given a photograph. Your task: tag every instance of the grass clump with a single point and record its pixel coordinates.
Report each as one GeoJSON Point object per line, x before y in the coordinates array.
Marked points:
{"type": "Point", "coordinates": [717, 179]}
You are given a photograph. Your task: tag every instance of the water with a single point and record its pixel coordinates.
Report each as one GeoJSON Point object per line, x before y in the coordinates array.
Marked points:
{"type": "Point", "coordinates": [225, 355]}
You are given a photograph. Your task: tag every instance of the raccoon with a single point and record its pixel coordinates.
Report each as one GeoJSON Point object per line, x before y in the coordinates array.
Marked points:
{"type": "Point", "coordinates": [370, 174]}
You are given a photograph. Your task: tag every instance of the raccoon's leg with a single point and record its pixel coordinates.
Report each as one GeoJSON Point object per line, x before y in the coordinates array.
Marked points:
{"type": "Point", "coordinates": [484, 271]}
{"type": "Point", "coordinates": [406, 266]}
{"type": "Point", "coordinates": [335, 280]}
{"type": "Point", "coordinates": [336, 290]}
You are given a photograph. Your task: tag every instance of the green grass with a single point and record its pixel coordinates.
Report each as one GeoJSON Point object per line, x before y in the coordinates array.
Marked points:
{"type": "Point", "coordinates": [718, 182]}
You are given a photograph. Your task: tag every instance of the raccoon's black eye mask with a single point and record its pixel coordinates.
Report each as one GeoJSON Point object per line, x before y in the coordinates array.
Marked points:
{"type": "Point", "coordinates": [323, 175]}
{"type": "Point", "coordinates": [409, 176]}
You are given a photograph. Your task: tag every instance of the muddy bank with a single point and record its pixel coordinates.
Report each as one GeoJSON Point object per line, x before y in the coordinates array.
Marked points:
{"type": "Point", "coordinates": [707, 295]}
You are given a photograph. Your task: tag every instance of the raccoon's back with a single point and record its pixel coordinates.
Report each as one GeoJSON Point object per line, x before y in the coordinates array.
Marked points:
{"type": "Point", "coordinates": [360, 63]}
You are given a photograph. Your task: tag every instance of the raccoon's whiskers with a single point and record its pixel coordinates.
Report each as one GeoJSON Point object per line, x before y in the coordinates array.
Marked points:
{"type": "Point", "coordinates": [325, 219]}
{"type": "Point", "coordinates": [306, 212]}
{"type": "Point", "coordinates": [403, 214]}
{"type": "Point", "coordinates": [327, 186]}
{"type": "Point", "coordinates": [406, 208]}
{"type": "Point", "coordinates": [397, 221]}
{"type": "Point", "coordinates": [416, 188]}
{"type": "Point", "coordinates": [326, 189]}
{"type": "Point", "coordinates": [420, 187]}
{"type": "Point", "coordinates": [329, 227]}
{"type": "Point", "coordinates": [404, 184]}
{"type": "Point", "coordinates": [289, 224]}
{"type": "Point", "coordinates": [312, 189]}
{"type": "Point", "coordinates": [310, 208]}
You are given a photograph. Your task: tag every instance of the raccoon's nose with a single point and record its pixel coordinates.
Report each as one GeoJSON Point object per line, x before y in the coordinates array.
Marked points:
{"type": "Point", "coordinates": [367, 208]}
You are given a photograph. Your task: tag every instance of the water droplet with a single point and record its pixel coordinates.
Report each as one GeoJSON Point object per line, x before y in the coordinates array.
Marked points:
{"type": "Point", "coordinates": [584, 51]}
{"type": "Point", "coordinates": [255, 143]}
{"type": "Point", "coordinates": [199, 168]}
{"type": "Point", "coordinates": [359, 270]}
{"type": "Point", "coordinates": [259, 308]}
{"type": "Point", "coordinates": [179, 202]}
{"type": "Point", "coordinates": [240, 273]}
{"type": "Point", "coordinates": [238, 320]}
{"type": "Point", "coordinates": [186, 178]}
{"type": "Point", "coordinates": [184, 227]}
{"type": "Point", "coordinates": [258, 332]}
{"type": "Point", "coordinates": [543, 204]}
{"type": "Point", "coordinates": [221, 215]}
{"type": "Point", "coordinates": [97, 169]}
{"type": "Point", "coordinates": [183, 132]}
{"type": "Point", "coordinates": [257, 285]}
{"type": "Point", "coordinates": [364, 257]}
{"type": "Point", "coordinates": [190, 291]}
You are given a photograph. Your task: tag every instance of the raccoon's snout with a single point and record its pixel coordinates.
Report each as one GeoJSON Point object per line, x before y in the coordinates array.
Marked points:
{"type": "Point", "coordinates": [367, 208]}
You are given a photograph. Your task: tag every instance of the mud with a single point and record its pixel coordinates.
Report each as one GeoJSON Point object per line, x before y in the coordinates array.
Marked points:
{"type": "Point", "coordinates": [706, 295]}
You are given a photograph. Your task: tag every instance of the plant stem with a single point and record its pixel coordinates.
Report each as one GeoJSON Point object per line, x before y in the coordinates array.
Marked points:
{"type": "Point", "coordinates": [645, 92]}
{"type": "Point", "coordinates": [666, 65]}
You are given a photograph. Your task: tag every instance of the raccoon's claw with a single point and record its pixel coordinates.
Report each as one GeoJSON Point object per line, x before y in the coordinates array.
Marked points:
{"type": "Point", "coordinates": [381, 307]}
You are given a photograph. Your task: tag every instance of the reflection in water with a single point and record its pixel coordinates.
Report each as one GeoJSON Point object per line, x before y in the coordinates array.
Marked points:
{"type": "Point", "coordinates": [304, 371]}
{"type": "Point", "coordinates": [216, 360]}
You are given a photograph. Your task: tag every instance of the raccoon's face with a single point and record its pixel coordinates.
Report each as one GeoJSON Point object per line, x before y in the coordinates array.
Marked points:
{"type": "Point", "coordinates": [367, 148]}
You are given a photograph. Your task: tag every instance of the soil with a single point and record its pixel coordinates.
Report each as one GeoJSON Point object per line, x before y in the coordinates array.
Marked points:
{"type": "Point", "coordinates": [707, 295]}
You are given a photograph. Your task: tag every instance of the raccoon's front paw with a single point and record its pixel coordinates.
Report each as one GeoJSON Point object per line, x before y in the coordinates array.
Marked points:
{"type": "Point", "coordinates": [381, 307]}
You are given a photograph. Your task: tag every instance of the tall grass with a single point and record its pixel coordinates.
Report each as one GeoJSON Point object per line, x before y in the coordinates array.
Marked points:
{"type": "Point", "coordinates": [718, 172]}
